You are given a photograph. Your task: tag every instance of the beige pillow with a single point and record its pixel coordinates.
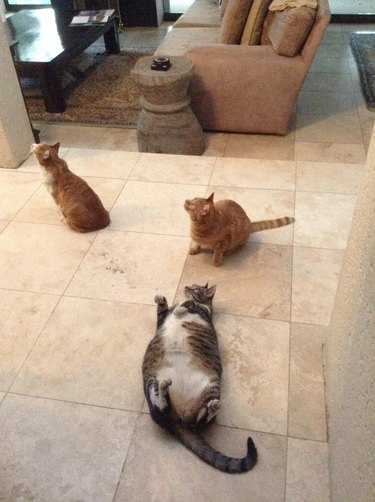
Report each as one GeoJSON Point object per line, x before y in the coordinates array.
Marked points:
{"type": "Point", "coordinates": [235, 16]}
{"type": "Point", "coordinates": [290, 28]}
{"type": "Point", "coordinates": [253, 28]}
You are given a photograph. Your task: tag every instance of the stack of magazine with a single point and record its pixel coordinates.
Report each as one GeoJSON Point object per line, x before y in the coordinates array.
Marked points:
{"type": "Point", "coordinates": [89, 17]}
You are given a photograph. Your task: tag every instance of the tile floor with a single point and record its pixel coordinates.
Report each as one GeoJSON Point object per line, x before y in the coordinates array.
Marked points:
{"type": "Point", "coordinates": [77, 310]}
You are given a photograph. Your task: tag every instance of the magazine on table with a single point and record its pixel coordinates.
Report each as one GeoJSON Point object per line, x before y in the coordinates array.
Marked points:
{"type": "Point", "coordinates": [88, 17]}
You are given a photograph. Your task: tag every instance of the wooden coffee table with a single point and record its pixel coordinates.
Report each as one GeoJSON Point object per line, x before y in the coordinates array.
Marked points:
{"type": "Point", "coordinates": [46, 44]}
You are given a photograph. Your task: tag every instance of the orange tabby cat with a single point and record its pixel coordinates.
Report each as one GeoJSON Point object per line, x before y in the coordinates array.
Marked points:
{"type": "Point", "coordinates": [223, 225]}
{"type": "Point", "coordinates": [82, 209]}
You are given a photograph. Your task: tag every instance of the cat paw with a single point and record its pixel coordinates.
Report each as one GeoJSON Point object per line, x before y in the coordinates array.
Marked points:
{"type": "Point", "coordinates": [163, 386]}
{"type": "Point", "coordinates": [213, 407]}
{"type": "Point", "coordinates": [195, 249]}
{"type": "Point", "coordinates": [160, 300]}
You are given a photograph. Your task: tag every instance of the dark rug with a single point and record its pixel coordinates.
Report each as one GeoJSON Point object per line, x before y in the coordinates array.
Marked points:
{"type": "Point", "coordinates": [363, 47]}
{"type": "Point", "coordinates": [104, 95]}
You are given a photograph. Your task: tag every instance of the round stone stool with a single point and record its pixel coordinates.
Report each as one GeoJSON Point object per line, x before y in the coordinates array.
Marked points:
{"type": "Point", "coordinates": [166, 122]}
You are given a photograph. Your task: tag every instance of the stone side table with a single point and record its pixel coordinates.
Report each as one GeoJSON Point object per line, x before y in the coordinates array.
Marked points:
{"type": "Point", "coordinates": [166, 122]}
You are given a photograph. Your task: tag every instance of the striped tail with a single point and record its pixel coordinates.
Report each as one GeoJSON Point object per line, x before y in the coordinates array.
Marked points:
{"type": "Point", "coordinates": [196, 443]}
{"type": "Point", "coordinates": [257, 226]}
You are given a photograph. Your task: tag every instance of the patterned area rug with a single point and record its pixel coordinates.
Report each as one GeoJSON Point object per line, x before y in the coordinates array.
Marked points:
{"type": "Point", "coordinates": [105, 95]}
{"type": "Point", "coordinates": [363, 47]}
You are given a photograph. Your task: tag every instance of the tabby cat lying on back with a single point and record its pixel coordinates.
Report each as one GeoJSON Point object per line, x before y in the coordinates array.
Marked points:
{"type": "Point", "coordinates": [223, 225]}
{"type": "Point", "coordinates": [81, 207]}
{"type": "Point", "coordinates": [182, 372]}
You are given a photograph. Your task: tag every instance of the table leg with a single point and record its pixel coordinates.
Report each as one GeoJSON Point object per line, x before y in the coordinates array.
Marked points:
{"type": "Point", "coordinates": [52, 91]}
{"type": "Point", "coordinates": [111, 40]}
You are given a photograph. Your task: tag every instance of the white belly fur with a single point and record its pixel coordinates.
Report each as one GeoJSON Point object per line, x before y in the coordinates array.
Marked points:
{"type": "Point", "coordinates": [188, 381]}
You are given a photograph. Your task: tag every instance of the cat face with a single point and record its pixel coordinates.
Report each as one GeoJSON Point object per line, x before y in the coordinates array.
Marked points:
{"type": "Point", "coordinates": [200, 294]}
{"type": "Point", "coordinates": [43, 151]}
{"type": "Point", "coordinates": [198, 208]}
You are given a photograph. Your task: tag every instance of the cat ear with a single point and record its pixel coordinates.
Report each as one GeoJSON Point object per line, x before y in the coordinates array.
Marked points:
{"type": "Point", "coordinates": [211, 197]}
{"type": "Point", "coordinates": [56, 146]}
{"type": "Point", "coordinates": [205, 209]}
{"type": "Point", "coordinates": [211, 291]}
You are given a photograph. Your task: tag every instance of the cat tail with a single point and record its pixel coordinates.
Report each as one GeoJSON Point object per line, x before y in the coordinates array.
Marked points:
{"type": "Point", "coordinates": [257, 226]}
{"type": "Point", "coordinates": [195, 442]}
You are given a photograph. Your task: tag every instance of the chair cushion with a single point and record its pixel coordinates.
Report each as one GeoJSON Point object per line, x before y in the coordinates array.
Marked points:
{"type": "Point", "coordinates": [202, 13]}
{"type": "Point", "coordinates": [254, 24]}
{"type": "Point", "coordinates": [177, 42]}
{"type": "Point", "coordinates": [290, 28]}
{"type": "Point", "coordinates": [234, 19]}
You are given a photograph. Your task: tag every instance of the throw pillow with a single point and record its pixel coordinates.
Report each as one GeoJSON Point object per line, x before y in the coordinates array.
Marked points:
{"type": "Point", "coordinates": [290, 28]}
{"type": "Point", "coordinates": [253, 28]}
{"type": "Point", "coordinates": [235, 16]}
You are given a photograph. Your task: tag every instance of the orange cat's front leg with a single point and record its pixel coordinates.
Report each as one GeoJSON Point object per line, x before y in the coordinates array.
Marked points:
{"type": "Point", "coordinates": [195, 248]}
{"type": "Point", "coordinates": [218, 257]}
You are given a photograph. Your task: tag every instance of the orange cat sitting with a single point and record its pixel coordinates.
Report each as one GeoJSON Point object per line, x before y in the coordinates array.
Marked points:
{"type": "Point", "coordinates": [223, 226]}
{"type": "Point", "coordinates": [82, 209]}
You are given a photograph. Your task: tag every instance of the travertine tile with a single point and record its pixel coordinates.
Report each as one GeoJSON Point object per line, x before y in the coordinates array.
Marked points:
{"type": "Point", "coordinates": [130, 267]}
{"type": "Point", "coordinates": [325, 103]}
{"type": "Point", "coordinates": [328, 82]}
{"type": "Point", "coordinates": [307, 413]}
{"type": "Point", "coordinates": [3, 224]}
{"type": "Point", "coordinates": [323, 220]}
{"type": "Point", "coordinates": [177, 474]}
{"type": "Point", "coordinates": [42, 208]}
{"type": "Point", "coordinates": [329, 177]}
{"type": "Point", "coordinates": [72, 135]}
{"type": "Point", "coordinates": [23, 316]}
{"type": "Point", "coordinates": [94, 352]}
{"type": "Point", "coordinates": [101, 163]}
{"type": "Point", "coordinates": [323, 64]}
{"type": "Point", "coordinates": [255, 281]}
{"type": "Point", "coordinates": [337, 128]}
{"type": "Point", "coordinates": [15, 190]}
{"type": "Point", "coordinates": [330, 152]}
{"type": "Point", "coordinates": [215, 143]}
{"type": "Point", "coordinates": [187, 169]}
{"type": "Point", "coordinates": [315, 277]}
{"type": "Point", "coordinates": [255, 356]}
{"type": "Point", "coordinates": [154, 207]}
{"type": "Point", "coordinates": [40, 258]}
{"type": "Point", "coordinates": [307, 471]}
{"type": "Point", "coordinates": [254, 173]}
{"type": "Point", "coordinates": [260, 146]}
{"type": "Point", "coordinates": [118, 139]}
{"type": "Point", "coordinates": [52, 450]}
{"type": "Point", "coordinates": [262, 205]}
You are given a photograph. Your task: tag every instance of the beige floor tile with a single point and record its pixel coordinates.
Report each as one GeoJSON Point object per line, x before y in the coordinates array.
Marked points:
{"type": "Point", "coordinates": [130, 267]}
{"type": "Point", "coordinates": [315, 277]}
{"type": "Point", "coordinates": [325, 103]}
{"type": "Point", "coordinates": [154, 207]}
{"type": "Point", "coordinates": [307, 412]}
{"type": "Point", "coordinates": [42, 208]}
{"type": "Point", "coordinates": [15, 190]}
{"type": "Point", "coordinates": [3, 224]}
{"type": "Point", "coordinates": [72, 135]}
{"type": "Point", "coordinates": [177, 474]}
{"type": "Point", "coordinates": [101, 163]}
{"type": "Point", "coordinates": [255, 355]}
{"type": "Point", "coordinates": [327, 82]}
{"type": "Point", "coordinates": [187, 169]}
{"type": "Point", "coordinates": [119, 139]}
{"type": "Point", "coordinates": [216, 143]}
{"type": "Point", "coordinates": [338, 128]}
{"type": "Point", "coordinates": [335, 48]}
{"type": "Point", "coordinates": [307, 457]}
{"type": "Point", "coordinates": [253, 282]}
{"type": "Point", "coordinates": [262, 205]}
{"type": "Point", "coordinates": [330, 152]}
{"type": "Point", "coordinates": [254, 173]}
{"type": "Point", "coordinates": [23, 317]}
{"type": "Point", "coordinates": [323, 64]}
{"type": "Point", "coordinates": [99, 363]}
{"type": "Point", "coordinates": [329, 177]}
{"type": "Point", "coordinates": [40, 258]}
{"type": "Point", "coordinates": [260, 147]}
{"type": "Point", "coordinates": [61, 451]}
{"type": "Point", "coordinates": [323, 220]}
